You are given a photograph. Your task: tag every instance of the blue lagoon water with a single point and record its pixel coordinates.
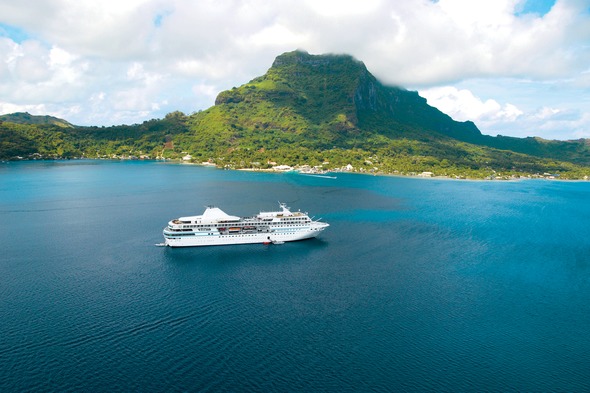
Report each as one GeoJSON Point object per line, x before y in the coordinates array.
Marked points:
{"type": "Point", "coordinates": [417, 285]}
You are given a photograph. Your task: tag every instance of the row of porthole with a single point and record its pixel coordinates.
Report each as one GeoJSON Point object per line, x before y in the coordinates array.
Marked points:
{"type": "Point", "coordinates": [249, 235]}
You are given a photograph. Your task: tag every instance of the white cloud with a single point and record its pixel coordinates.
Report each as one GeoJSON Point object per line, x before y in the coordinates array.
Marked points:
{"type": "Point", "coordinates": [493, 117]}
{"type": "Point", "coordinates": [546, 113]}
{"type": "Point", "coordinates": [172, 53]}
{"type": "Point", "coordinates": [342, 8]}
{"type": "Point", "coordinates": [210, 91]}
{"type": "Point", "coordinates": [462, 104]}
{"type": "Point", "coordinates": [276, 35]}
{"type": "Point", "coordinates": [31, 69]}
{"type": "Point", "coordinates": [60, 57]}
{"type": "Point", "coordinates": [7, 107]}
{"type": "Point", "coordinates": [510, 112]}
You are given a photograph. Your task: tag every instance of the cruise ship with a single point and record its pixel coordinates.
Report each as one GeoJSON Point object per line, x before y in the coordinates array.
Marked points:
{"type": "Point", "coordinates": [215, 227]}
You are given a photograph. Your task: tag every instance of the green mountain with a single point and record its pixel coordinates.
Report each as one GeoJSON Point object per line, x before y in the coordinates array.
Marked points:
{"type": "Point", "coordinates": [333, 100]}
{"type": "Point", "coordinates": [311, 109]}
{"type": "Point", "coordinates": [318, 110]}
{"type": "Point", "coordinates": [27, 118]}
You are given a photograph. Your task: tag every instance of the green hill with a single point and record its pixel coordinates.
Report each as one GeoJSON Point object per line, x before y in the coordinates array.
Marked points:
{"type": "Point", "coordinates": [148, 139]}
{"type": "Point", "coordinates": [27, 118]}
{"type": "Point", "coordinates": [317, 110]}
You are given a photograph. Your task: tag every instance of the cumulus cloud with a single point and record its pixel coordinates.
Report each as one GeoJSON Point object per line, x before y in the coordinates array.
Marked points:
{"type": "Point", "coordinates": [341, 8]}
{"type": "Point", "coordinates": [453, 40]}
{"type": "Point", "coordinates": [503, 118]}
{"type": "Point", "coordinates": [464, 105]}
{"type": "Point", "coordinates": [177, 54]}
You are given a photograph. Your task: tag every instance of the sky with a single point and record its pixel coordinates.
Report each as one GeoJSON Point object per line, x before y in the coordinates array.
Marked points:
{"type": "Point", "coordinates": [513, 67]}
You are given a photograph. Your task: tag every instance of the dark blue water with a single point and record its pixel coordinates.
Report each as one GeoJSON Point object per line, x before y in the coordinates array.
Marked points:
{"type": "Point", "coordinates": [417, 285]}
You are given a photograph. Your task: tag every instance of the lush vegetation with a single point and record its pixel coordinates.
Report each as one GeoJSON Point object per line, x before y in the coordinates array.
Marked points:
{"type": "Point", "coordinates": [27, 118]}
{"type": "Point", "coordinates": [148, 139]}
{"type": "Point", "coordinates": [326, 111]}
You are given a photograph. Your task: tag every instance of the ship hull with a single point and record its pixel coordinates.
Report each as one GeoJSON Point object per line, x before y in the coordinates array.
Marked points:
{"type": "Point", "coordinates": [216, 239]}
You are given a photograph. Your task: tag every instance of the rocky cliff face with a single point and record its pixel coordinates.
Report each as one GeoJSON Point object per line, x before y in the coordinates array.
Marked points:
{"type": "Point", "coordinates": [342, 84]}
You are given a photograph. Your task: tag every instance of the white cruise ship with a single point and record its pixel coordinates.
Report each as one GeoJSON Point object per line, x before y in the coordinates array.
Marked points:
{"type": "Point", "coordinates": [214, 227]}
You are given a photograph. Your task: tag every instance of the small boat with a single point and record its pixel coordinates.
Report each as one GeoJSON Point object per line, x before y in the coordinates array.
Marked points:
{"type": "Point", "coordinates": [324, 175]}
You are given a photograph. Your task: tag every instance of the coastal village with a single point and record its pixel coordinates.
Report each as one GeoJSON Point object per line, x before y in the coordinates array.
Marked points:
{"type": "Point", "coordinates": [319, 170]}
{"type": "Point", "coordinates": [272, 166]}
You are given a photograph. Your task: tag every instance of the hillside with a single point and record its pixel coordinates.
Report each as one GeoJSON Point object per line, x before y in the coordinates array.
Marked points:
{"type": "Point", "coordinates": [125, 141]}
{"type": "Point", "coordinates": [318, 110]}
{"type": "Point", "coordinates": [27, 118]}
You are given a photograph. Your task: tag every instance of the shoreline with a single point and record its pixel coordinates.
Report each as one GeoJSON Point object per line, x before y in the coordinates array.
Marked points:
{"type": "Point", "coordinates": [423, 175]}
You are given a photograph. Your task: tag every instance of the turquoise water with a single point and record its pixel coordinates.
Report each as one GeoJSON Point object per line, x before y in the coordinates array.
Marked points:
{"type": "Point", "coordinates": [417, 284]}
